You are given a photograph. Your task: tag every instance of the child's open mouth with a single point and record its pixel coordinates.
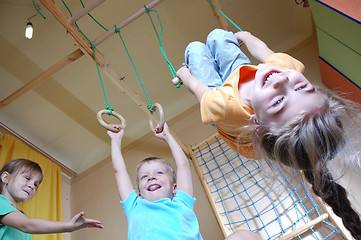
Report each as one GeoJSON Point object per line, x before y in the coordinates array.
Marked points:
{"type": "Point", "coordinates": [153, 187]}
{"type": "Point", "coordinates": [269, 76]}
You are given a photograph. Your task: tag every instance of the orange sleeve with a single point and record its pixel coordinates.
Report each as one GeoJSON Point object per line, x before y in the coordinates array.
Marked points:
{"type": "Point", "coordinates": [214, 105]}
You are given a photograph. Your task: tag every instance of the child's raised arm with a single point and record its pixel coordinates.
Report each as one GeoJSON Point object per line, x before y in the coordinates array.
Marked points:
{"type": "Point", "coordinates": [184, 176]}
{"type": "Point", "coordinates": [125, 186]}
{"type": "Point", "coordinates": [256, 47]}
{"type": "Point", "coordinates": [42, 226]}
{"type": "Point", "coordinates": [191, 83]}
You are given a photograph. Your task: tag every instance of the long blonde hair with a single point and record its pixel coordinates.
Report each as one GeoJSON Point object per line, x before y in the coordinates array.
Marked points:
{"type": "Point", "coordinates": [309, 143]}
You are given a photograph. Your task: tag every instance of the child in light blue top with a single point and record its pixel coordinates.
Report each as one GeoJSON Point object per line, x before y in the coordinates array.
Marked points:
{"type": "Point", "coordinates": [161, 219]}
{"type": "Point", "coordinates": [163, 209]}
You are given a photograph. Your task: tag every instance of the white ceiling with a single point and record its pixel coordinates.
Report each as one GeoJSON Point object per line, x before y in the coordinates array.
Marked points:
{"type": "Point", "coordinates": [59, 115]}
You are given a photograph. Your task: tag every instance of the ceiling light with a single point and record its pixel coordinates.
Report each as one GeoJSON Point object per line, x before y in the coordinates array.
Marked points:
{"type": "Point", "coordinates": [29, 30]}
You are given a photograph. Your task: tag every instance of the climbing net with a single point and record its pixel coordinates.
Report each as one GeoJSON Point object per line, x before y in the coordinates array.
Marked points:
{"type": "Point", "coordinates": [244, 196]}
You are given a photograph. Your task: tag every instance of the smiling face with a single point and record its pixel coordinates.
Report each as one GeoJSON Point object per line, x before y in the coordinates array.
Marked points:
{"type": "Point", "coordinates": [280, 95]}
{"type": "Point", "coordinates": [20, 186]}
{"type": "Point", "coordinates": [155, 181]}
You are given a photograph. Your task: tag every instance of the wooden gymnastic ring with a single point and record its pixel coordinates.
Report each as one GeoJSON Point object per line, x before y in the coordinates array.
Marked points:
{"type": "Point", "coordinates": [161, 116]}
{"type": "Point", "coordinates": [107, 125]}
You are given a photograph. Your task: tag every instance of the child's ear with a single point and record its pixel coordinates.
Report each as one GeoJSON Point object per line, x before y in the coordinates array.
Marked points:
{"type": "Point", "coordinates": [254, 120]}
{"type": "Point", "coordinates": [5, 177]}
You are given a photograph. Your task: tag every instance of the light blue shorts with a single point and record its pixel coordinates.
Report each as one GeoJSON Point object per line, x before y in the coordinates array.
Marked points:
{"type": "Point", "coordinates": [213, 62]}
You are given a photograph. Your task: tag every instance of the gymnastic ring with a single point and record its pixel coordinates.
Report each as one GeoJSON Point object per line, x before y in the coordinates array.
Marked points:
{"type": "Point", "coordinates": [161, 116]}
{"type": "Point", "coordinates": [107, 125]}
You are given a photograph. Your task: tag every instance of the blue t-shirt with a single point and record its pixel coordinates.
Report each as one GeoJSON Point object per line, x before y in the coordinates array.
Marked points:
{"type": "Point", "coordinates": [6, 232]}
{"type": "Point", "coordinates": [163, 219]}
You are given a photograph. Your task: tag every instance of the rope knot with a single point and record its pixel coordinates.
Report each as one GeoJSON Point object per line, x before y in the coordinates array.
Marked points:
{"type": "Point", "coordinates": [146, 9]}
{"type": "Point", "coordinates": [116, 30]}
{"type": "Point", "coordinates": [150, 107]}
{"type": "Point", "coordinates": [110, 109]}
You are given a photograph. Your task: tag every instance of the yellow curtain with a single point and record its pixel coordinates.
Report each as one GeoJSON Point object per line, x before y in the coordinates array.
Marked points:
{"type": "Point", "coordinates": [47, 202]}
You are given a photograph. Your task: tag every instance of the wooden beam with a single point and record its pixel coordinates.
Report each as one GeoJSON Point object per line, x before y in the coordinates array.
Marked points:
{"type": "Point", "coordinates": [123, 87]}
{"type": "Point", "coordinates": [72, 30]}
{"type": "Point", "coordinates": [130, 19]}
{"type": "Point", "coordinates": [222, 21]}
{"type": "Point", "coordinates": [42, 77]}
{"type": "Point", "coordinates": [332, 217]}
{"type": "Point", "coordinates": [206, 189]}
{"type": "Point", "coordinates": [337, 221]}
{"type": "Point", "coordinates": [84, 11]}
{"type": "Point", "coordinates": [304, 227]}
{"type": "Point", "coordinates": [113, 76]}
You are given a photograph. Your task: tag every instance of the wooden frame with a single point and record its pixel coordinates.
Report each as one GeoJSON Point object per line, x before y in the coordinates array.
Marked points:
{"type": "Point", "coordinates": [327, 215]}
{"type": "Point", "coordinates": [85, 47]}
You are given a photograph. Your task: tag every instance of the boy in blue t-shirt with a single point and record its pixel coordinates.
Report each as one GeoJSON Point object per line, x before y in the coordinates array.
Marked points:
{"type": "Point", "coordinates": [163, 209]}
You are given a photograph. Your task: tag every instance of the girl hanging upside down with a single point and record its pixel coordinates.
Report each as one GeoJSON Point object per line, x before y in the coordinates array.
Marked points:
{"type": "Point", "coordinates": [271, 111]}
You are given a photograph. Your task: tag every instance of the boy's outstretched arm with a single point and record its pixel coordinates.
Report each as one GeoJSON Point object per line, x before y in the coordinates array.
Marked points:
{"type": "Point", "coordinates": [184, 176]}
{"type": "Point", "coordinates": [256, 47]}
{"type": "Point", "coordinates": [42, 226]}
{"type": "Point", "coordinates": [125, 186]}
{"type": "Point", "coordinates": [191, 83]}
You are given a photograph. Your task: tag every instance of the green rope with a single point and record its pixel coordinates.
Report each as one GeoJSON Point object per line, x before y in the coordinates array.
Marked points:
{"type": "Point", "coordinates": [38, 10]}
{"type": "Point", "coordinates": [150, 105]}
{"type": "Point", "coordinates": [66, 6]}
{"type": "Point", "coordinates": [93, 17]}
{"type": "Point", "coordinates": [159, 36]}
{"type": "Point", "coordinates": [79, 30]}
{"type": "Point", "coordinates": [239, 29]}
{"type": "Point", "coordinates": [108, 107]}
